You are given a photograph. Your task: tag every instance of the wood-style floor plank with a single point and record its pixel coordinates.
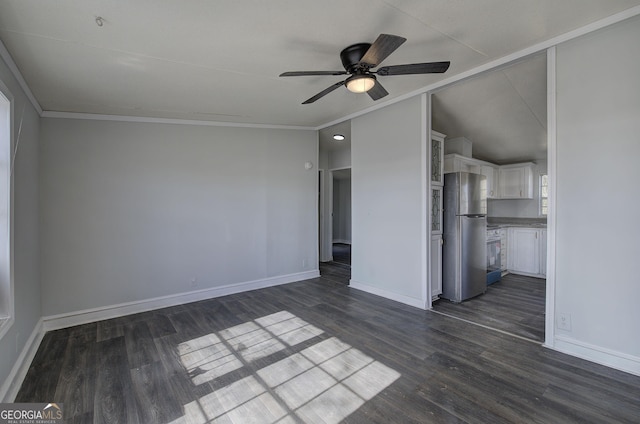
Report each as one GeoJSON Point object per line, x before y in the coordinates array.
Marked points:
{"type": "Point", "coordinates": [155, 398]}
{"type": "Point", "coordinates": [319, 349]}
{"type": "Point", "coordinates": [41, 381]}
{"type": "Point", "coordinates": [114, 402]}
{"type": "Point", "coordinates": [515, 304]}
{"type": "Point", "coordinates": [76, 385]}
{"type": "Point", "coordinates": [139, 343]}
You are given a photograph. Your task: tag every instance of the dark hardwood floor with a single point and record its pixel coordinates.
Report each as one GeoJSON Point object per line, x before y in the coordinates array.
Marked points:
{"type": "Point", "coordinates": [515, 304]}
{"type": "Point", "coordinates": [335, 272]}
{"type": "Point", "coordinates": [338, 270]}
{"type": "Point", "coordinates": [316, 351]}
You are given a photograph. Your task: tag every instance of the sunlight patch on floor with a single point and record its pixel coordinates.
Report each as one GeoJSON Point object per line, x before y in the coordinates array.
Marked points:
{"type": "Point", "coordinates": [322, 383]}
{"type": "Point", "coordinates": [207, 358]}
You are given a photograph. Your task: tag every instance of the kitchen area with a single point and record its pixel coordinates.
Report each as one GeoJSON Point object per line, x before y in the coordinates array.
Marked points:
{"type": "Point", "coordinates": [490, 133]}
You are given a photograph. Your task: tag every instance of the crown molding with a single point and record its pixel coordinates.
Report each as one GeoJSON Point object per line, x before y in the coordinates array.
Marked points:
{"type": "Point", "coordinates": [127, 118]}
{"type": "Point", "coordinates": [6, 56]}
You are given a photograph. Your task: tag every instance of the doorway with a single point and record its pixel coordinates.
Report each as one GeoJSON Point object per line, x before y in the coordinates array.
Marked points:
{"type": "Point", "coordinates": [500, 117]}
{"type": "Point", "coordinates": [338, 269]}
{"type": "Point", "coordinates": [334, 212]}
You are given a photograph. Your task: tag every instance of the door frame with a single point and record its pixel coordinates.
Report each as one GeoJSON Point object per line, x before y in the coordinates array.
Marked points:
{"type": "Point", "coordinates": [325, 213]}
{"type": "Point", "coordinates": [550, 289]}
{"type": "Point", "coordinates": [331, 205]}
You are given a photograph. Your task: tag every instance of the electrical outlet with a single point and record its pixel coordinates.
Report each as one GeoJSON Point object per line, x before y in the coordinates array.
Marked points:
{"type": "Point", "coordinates": [304, 263]}
{"type": "Point", "coordinates": [564, 322]}
{"type": "Point", "coordinates": [194, 282]}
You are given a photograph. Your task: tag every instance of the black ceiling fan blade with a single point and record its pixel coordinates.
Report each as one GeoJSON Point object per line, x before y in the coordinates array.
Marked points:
{"type": "Point", "coordinates": [377, 92]}
{"type": "Point", "coordinates": [384, 45]}
{"type": "Point", "coordinates": [311, 73]}
{"type": "Point", "coordinates": [324, 92]}
{"type": "Point", "coordinates": [414, 68]}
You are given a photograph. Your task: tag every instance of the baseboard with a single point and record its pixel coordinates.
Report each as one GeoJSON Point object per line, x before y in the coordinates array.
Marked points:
{"type": "Point", "coordinates": [411, 301]}
{"type": "Point", "coordinates": [9, 389]}
{"type": "Point", "coordinates": [54, 322]}
{"type": "Point", "coordinates": [599, 355]}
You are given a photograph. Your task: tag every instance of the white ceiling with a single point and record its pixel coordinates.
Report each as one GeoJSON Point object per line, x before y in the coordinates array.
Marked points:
{"type": "Point", "coordinates": [220, 60]}
{"type": "Point", "coordinates": [327, 143]}
{"type": "Point", "coordinates": [502, 112]}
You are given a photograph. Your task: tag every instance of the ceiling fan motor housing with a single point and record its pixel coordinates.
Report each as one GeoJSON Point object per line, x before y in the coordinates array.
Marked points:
{"type": "Point", "coordinates": [351, 56]}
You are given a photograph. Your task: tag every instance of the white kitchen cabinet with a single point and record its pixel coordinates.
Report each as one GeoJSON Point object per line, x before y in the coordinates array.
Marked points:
{"type": "Point", "coordinates": [491, 173]}
{"type": "Point", "coordinates": [436, 210]}
{"type": "Point", "coordinates": [437, 182]}
{"type": "Point", "coordinates": [437, 158]}
{"type": "Point", "coordinates": [456, 163]}
{"type": "Point", "coordinates": [436, 266]}
{"type": "Point", "coordinates": [527, 248]}
{"type": "Point", "coordinates": [516, 181]}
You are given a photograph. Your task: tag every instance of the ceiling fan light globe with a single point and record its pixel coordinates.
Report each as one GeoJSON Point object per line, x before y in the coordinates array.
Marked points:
{"type": "Point", "coordinates": [361, 83]}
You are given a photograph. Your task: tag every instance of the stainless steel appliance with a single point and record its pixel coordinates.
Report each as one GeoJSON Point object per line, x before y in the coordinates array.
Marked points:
{"type": "Point", "coordinates": [464, 254]}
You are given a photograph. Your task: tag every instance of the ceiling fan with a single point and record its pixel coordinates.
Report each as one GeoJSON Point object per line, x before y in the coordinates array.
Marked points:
{"type": "Point", "coordinates": [359, 60]}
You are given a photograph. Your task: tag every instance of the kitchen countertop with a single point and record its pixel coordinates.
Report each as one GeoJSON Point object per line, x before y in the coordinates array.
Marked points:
{"type": "Point", "coordinates": [503, 222]}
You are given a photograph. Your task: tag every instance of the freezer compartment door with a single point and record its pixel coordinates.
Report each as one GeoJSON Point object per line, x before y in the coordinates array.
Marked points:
{"type": "Point", "coordinates": [472, 194]}
{"type": "Point", "coordinates": [473, 256]}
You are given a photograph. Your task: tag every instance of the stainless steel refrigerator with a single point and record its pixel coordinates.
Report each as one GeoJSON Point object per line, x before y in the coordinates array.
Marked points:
{"type": "Point", "coordinates": [464, 254]}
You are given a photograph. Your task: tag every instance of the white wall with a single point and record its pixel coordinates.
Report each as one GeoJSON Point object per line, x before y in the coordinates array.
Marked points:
{"type": "Point", "coordinates": [133, 211]}
{"type": "Point", "coordinates": [387, 201]}
{"type": "Point", "coordinates": [520, 208]}
{"type": "Point", "coordinates": [598, 149]}
{"type": "Point", "coordinates": [26, 283]}
{"type": "Point", "coordinates": [340, 158]}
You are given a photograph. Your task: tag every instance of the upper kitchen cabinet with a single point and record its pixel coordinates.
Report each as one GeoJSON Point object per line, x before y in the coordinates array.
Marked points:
{"type": "Point", "coordinates": [516, 181]}
{"type": "Point", "coordinates": [502, 182]}
{"type": "Point", "coordinates": [491, 173]}
{"type": "Point", "coordinates": [437, 154]}
{"type": "Point", "coordinates": [437, 181]}
{"type": "Point", "coordinates": [457, 163]}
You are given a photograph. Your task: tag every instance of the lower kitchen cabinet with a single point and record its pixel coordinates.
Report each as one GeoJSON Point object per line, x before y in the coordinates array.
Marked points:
{"type": "Point", "coordinates": [543, 253]}
{"type": "Point", "coordinates": [436, 265]}
{"type": "Point", "coordinates": [527, 251]}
